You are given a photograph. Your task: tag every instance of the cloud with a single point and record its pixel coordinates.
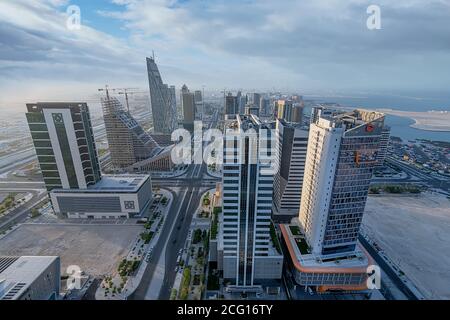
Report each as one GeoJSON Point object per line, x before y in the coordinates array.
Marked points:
{"type": "Point", "coordinates": [284, 44]}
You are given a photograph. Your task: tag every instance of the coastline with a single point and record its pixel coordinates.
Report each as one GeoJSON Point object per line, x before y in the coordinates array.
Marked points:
{"type": "Point", "coordinates": [436, 121]}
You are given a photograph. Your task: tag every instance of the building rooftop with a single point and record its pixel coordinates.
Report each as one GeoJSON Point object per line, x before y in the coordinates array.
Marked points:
{"type": "Point", "coordinates": [301, 255]}
{"type": "Point", "coordinates": [114, 183]}
{"type": "Point", "coordinates": [17, 273]}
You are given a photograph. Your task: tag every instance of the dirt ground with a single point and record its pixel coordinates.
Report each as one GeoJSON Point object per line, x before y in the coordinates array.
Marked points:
{"type": "Point", "coordinates": [414, 231]}
{"type": "Point", "coordinates": [97, 249]}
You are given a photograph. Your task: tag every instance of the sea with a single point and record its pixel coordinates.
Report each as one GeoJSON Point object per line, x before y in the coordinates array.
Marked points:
{"type": "Point", "coordinates": [400, 126]}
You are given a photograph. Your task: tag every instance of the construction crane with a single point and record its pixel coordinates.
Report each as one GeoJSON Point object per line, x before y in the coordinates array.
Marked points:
{"type": "Point", "coordinates": [124, 91]}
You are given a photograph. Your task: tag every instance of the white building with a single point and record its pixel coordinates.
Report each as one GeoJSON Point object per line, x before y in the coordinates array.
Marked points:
{"type": "Point", "coordinates": [292, 147]}
{"type": "Point", "coordinates": [245, 248]}
{"type": "Point", "coordinates": [342, 154]}
{"type": "Point", "coordinates": [119, 196]}
{"type": "Point", "coordinates": [323, 246]}
{"type": "Point", "coordinates": [30, 278]}
{"type": "Point", "coordinates": [64, 142]}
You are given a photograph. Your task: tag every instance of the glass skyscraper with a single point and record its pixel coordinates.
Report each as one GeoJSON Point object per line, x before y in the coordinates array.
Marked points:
{"type": "Point", "coordinates": [54, 126]}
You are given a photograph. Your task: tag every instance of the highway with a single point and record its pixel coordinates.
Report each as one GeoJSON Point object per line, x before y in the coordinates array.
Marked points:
{"type": "Point", "coordinates": [433, 180]}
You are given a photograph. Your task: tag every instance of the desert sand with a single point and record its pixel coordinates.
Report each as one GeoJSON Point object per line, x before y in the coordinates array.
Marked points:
{"type": "Point", "coordinates": [414, 232]}
{"type": "Point", "coordinates": [430, 120]}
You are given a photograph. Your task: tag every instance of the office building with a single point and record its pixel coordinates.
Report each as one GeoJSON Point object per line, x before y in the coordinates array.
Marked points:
{"type": "Point", "coordinates": [251, 109]}
{"type": "Point", "coordinates": [242, 102]}
{"type": "Point", "coordinates": [162, 99]}
{"type": "Point", "coordinates": [297, 113]}
{"type": "Point", "coordinates": [231, 104]}
{"type": "Point", "coordinates": [384, 143]}
{"type": "Point", "coordinates": [323, 246]}
{"type": "Point", "coordinates": [292, 147]}
{"type": "Point", "coordinates": [198, 97]}
{"type": "Point", "coordinates": [30, 278]}
{"type": "Point", "coordinates": [246, 252]}
{"type": "Point", "coordinates": [284, 110]}
{"type": "Point", "coordinates": [128, 142]}
{"type": "Point", "coordinates": [114, 196]}
{"type": "Point", "coordinates": [63, 138]}
{"type": "Point", "coordinates": [188, 105]}
{"type": "Point", "coordinates": [132, 149]}
{"type": "Point", "coordinates": [64, 142]}
{"type": "Point", "coordinates": [264, 106]}
{"type": "Point", "coordinates": [256, 100]}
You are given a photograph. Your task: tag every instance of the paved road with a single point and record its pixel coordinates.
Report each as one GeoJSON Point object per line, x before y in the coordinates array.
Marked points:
{"type": "Point", "coordinates": [435, 180]}
{"type": "Point", "coordinates": [20, 214]}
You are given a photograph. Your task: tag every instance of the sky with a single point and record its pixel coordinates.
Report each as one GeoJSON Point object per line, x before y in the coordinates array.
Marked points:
{"type": "Point", "coordinates": [304, 46]}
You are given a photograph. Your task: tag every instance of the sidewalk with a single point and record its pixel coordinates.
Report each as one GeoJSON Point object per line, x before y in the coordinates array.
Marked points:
{"type": "Point", "coordinates": [138, 253]}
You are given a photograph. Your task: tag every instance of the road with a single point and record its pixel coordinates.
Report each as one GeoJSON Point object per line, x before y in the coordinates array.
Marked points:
{"type": "Point", "coordinates": [434, 180]}
{"type": "Point", "coordinates": [20, 214]}
{"type": "Point", "coordinates": [173, 236]}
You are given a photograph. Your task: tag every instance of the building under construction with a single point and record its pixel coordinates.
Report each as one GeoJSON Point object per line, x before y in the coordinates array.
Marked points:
{"type": "Point", "coordinates": [132, 149]}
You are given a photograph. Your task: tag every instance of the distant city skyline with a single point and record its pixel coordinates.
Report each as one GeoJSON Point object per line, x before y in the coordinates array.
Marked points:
{"type": "Point", "coordinates": [316, 47]}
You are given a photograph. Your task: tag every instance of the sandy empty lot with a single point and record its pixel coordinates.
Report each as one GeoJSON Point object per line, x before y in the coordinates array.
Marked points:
{"type": "Point", "coordinates": [97, 249]}
{"type": "Point", "coordinates": [414, 231]}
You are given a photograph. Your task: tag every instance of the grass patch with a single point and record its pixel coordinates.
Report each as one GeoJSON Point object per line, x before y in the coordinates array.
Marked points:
{"type": "Point", "coordinates": [274, 237]}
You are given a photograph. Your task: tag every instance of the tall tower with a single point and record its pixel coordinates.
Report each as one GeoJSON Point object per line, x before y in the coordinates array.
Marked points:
{"type": "Point", "coordinates": [162, 99]}
{"type": "Point", "coordinates": [54, 127]}
{"type": "Point", "coordinates": [284, 110]}
{"type": "Point", "coordinates": [292, 147]}
{"type": "Point", "coordinates": [231, 104]}
{"type": "Point", "coordinates": [188, 105]}
{"type": "Point", "coordinates": [342, 154]}
{"type": "Point", "coordinates": [248, 252]}
{"type": "Point", "coordinates": [128, 142]}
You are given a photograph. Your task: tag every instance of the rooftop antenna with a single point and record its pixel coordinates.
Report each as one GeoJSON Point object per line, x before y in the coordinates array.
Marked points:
{"type": "Point", "coordinates": [153, 54]}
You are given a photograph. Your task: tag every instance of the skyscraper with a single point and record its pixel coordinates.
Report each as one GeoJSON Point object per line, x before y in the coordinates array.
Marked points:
{"type": "Point", "coordinates": [162, 99]}
{"type": "Point", "coordinates": [198, 97]}
{"type": "Point", "coordinates": [256, 100]}
{"type": "Point", "coordinates": [128, 143]}
{"type": "Point", "coordinates": [188, 104]}
{"type": "Point", "coordinates": [297, 113]}
{"type": "Point", "coordinates": [264, 106]}
{"type": "Point", "coordinates": [384, 143]}
{"type": "Point", "coordinates": [231, 104]}
{"type": "Point", "coordinates": [323, 244]}
{"type": "Point", "coordinates": [284, 110]}
{"type": "Point", "coordinates": [64, 142]}
{"type": "Point", "coordinates": [342, 153]}
{"type": "Point", "coordinates": [292, 144]}
{"type": "Point", "coordinates": [248, 253]}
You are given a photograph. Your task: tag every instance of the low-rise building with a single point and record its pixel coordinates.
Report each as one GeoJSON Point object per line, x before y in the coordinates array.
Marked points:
{"type": "Point", "coordinates": [120, 196]}
{"type": "Point", "coordinates": [30, 278]}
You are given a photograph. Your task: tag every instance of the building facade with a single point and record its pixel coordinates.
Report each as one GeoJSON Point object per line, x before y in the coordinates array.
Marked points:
{"type": "Point", "coordinates": [188, 105]}
{"type": "Point", "coordinates": [292, 148]}
{"type": "Point", "coordinates": [284, 109]}
{"type": "Point", "coordinates": [162, 99]}
{"type": "Point", "coordinates": [245, 247]}
{"type": "Point", "coordinates": [115, 196]}
{"type": "Point", "coordinates": [64, 142]}
{"type": "Point", "coordinates": [231, 104]}
{"type": "Point", "coordinates": [384, 144]}
{"type": "Point", "coordinates": [128, 142]}
{"type": "Point", "coordinates": [342, 154]}
{"type": "Point", "coordinates": [30, 278]}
